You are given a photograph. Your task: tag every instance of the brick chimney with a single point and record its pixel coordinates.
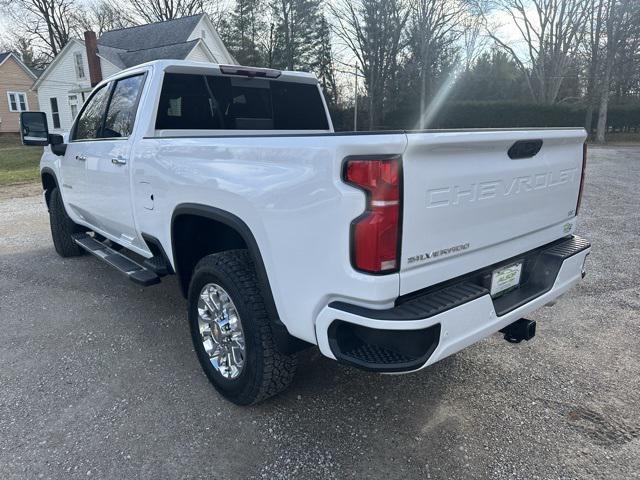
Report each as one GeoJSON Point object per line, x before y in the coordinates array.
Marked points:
{"type": "Point", "coordinates": [91, 44]}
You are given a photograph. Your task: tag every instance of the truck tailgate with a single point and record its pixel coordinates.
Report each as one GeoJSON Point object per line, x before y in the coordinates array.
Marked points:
{"type": "Point", "coordinates": [467, 204]}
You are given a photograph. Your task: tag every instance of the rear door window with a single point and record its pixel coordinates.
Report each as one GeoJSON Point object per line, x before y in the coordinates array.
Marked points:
{"type": "Point", "coordinates": [235, 103]}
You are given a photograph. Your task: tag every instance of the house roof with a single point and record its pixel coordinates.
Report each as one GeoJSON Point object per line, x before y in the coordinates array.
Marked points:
{"type": "Point", "coordinates": [128, 47]}
{"type": "Point", "coordinates": [177, 51]}
{"type": "Point", "coordinates": [132, 46]}
{"type": "Point", "coordinates": [31, 71]}
{"type": "Point", "coordinates": [152, 35]}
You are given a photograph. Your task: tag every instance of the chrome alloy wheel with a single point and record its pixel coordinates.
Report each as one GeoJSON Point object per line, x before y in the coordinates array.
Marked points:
{"type": "Point", "coordinates": [221, 331]}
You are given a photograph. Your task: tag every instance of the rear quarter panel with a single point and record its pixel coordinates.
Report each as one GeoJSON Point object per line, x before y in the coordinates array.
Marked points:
{"type": "Point", "coordinates": [288, 191]}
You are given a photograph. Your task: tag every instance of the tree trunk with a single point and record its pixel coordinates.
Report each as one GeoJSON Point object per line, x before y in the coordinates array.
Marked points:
{"type": "Point", "coordinates": [588, 118]}
{"type": "Point", "coordinates": [371, 111]}
{"type": "Point", "coordinates": [423, 101]}
{"type": "Point", "coordinates": [602, 115]}
{"type": "Point", "coordinates": [605, 88]}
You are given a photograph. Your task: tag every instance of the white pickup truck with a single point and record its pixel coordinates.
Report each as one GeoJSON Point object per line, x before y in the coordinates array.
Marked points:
{"type": "Point", "coordinates": [387, 250]}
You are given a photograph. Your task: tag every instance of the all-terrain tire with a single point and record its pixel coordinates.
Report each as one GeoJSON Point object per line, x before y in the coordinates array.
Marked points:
{"type": "Point", "coordinates": [62, 227]}
{"type": "Point", "coordinates": [266, 371]}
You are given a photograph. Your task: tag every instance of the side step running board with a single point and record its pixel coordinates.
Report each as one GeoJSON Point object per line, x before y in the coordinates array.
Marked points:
{"type": "Point", "coordinates": [135, 272]}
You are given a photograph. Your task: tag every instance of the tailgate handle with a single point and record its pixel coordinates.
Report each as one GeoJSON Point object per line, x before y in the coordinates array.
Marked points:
{"type": "Point", "coordinates": [524, 149]}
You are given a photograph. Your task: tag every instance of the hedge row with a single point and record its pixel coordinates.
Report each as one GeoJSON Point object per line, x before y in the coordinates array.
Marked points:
{"type": "Point", "coordinates": [508, 114]}
{"type": "Point", "coordinates": [502, 115]}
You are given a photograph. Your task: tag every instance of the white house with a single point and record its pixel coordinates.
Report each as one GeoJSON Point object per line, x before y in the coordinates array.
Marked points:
{"type": "Point", "coordinates": [69, 78]}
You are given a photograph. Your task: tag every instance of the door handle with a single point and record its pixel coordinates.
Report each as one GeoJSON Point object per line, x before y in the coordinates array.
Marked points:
{"type": "Point", "coordinates": [81, 158]}
{"type": "Point", "coordinates": [119, 160]}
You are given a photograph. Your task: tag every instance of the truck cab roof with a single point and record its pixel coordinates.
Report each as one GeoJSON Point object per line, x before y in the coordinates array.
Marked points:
{"type": "Point", "coordinates": [188, 66]}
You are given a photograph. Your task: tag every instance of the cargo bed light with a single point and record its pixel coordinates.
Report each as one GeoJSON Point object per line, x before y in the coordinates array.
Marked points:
{"type": "Point", "coordinates": [375, 235]}
{"type": "Point", "coordinates": [250, 71]}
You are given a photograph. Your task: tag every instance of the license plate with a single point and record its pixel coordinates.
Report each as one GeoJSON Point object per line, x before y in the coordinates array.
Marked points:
{"type": "Point", "coordinates": [505, 278]}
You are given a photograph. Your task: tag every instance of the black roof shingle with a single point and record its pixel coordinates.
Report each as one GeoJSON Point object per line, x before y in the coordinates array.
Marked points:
{"type": "Point", "coordinates": [135, 45]}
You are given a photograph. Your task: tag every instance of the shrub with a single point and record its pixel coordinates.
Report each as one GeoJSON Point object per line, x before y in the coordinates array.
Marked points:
{"type": "Point", "coordinates": [500, 114]}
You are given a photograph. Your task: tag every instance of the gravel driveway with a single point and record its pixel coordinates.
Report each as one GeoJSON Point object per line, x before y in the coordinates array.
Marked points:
{"type": "Point", "coordinates": [98, 378]}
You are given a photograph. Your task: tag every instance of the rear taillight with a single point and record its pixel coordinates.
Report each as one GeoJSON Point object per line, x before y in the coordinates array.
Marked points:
{"type": "Point", "coordinates": [584, 166]}
{"type": "Point", "coordinates": [375, 235]}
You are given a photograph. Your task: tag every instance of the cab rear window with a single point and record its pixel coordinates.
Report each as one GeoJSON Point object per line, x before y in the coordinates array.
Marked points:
{"type": "Point", "coordinates": [208, 102]}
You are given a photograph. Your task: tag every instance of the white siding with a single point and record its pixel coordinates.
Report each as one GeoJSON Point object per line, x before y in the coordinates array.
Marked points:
{"type": "Point", "coordinates": [61, 78]}
{"type": "Point", "coordinates": [62, 81]}
{"type": "Point", "coordinates": [108, 68]}
{"type": "Point", "coordinates": [199, 54]}
{"type": "Point", "coordinates": [212, 41]}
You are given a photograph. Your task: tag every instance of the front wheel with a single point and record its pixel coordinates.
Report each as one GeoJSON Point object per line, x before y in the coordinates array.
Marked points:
{"type": "Point", "coordinates": [62, 227]}
{"type": "Point", "coordinates": [231, 330]}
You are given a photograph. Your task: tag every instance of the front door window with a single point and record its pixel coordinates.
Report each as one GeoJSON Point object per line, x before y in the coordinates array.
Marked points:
{"type": "Point", "coordinates": [89, 124]}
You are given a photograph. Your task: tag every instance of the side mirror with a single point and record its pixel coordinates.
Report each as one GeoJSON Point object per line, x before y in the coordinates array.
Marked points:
{"type": "Point", "coordinates": [34, 129]}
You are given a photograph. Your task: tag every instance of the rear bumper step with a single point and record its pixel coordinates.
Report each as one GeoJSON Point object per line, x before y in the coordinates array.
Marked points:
{"type": "Point", "coordinates": [135, 272]}
{"type": "Point", "coordinates": [539, 272]}
{"type": "Point", "coordinates": [380, 350]}
{"type": "Point", "coordinates": [404, 348]}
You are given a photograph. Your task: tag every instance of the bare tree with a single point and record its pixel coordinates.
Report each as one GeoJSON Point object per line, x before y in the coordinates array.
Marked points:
{"type": "Point", "coordinates": [622, 20]}
{"type": "Point", "coordinates": [23, 48]}
{"type": "Point", "coordinates": [373, 30]}
{"type": "Point", "coordinates": [268, 45]}
{"type": "Point", "coordinates": [50, 22]}
{"type": "Point", "coordinates": [103, 16]}
{"type": "Point", "coordinates": [150, 11]}
{"type": "Point", "coordinates": [474, 43]}
{"type": "Point", "coordinates": [552, 31]}
{"type": "Point", "coordinates": [626, 74]}
{"type": "Point", "coordinates": [434, 28]}
{"type": "Point", "coordinates": [218, 11]}
{"type": "Point", "coordinates": [595, 34]}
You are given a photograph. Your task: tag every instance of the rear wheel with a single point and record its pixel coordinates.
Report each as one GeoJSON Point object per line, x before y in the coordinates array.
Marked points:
{"type": "Point", "coordinates": [62, 227]}
{"type": "Point", "coordinates": [231, 330]}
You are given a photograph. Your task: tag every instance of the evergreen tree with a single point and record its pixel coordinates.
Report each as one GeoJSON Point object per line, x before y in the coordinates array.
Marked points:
{"type": "Point", "coordinates": [244, 31]}
{"type": "Point", "coordinates": [323, 66]}
{"type": "Point", "coordinates": [24, 49]}
{"type": "Point", "coordinates": [494, 76]}
{"type": "Point", "coordinates": [296, 27]}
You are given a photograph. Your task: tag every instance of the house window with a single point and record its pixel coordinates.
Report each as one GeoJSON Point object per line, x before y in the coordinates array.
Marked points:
{"type": "Point", "coordinates": [55, 114]}
{"type": "Point", "coordinates": [79, 65]}
{"type": "Point", "coordinates": [17, 101]}
{"type": "Point", "coordinates": [73, 105]}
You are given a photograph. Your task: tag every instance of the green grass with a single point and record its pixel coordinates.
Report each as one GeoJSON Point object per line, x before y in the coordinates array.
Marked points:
{"type": "Point", "coordinates": [18, 164]}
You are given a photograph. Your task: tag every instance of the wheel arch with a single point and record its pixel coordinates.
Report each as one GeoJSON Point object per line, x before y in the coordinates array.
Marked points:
{"type": "Point", "coordinates": [49, 182]}
{"type": "Point", "coordinates": [222, 219]}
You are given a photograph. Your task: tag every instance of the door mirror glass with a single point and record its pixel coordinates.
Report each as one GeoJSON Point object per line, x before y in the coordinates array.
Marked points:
{"type": "Point", "coordinates": [34, 129]}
